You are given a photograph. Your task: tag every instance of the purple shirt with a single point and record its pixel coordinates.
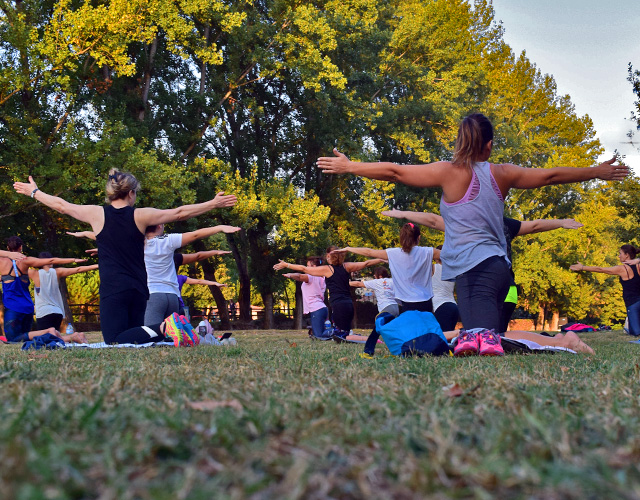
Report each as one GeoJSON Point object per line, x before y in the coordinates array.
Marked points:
{"type": "Point", "coordinates": [313, 294]}
{"type": "Point", "coordinates": [182, 279]}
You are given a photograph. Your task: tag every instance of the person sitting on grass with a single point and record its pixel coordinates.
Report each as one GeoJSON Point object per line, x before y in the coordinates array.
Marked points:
{"type": "Point", "coordinates": [628, 272]}
{"type": "Point", "coordinates": [313, 288]}
{"type": "Point", "coordinates": [336, 274]}
{"type": "Point", "coordinates": [382, 286]}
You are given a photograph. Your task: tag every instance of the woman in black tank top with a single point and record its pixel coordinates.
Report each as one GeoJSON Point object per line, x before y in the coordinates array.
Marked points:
{"type": "Point", "coordinates": [119, 230]}
{"type": "Point", "coordinates": [337, 275]}
{"type": "Point", "coordinates": [629, 274]}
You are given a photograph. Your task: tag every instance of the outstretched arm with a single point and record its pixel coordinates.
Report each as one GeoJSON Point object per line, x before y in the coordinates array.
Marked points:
{"type": "Point", "coordinates": [325, 271]}
{"type": "Point", "coordinates": [151, 216]}
{"type": "Point", "coordinates": [615, 270]}
{"type": "Point", "coordinates": [542, 225]}
{"type": "Point", "coordinates": [528, 178]}
{"type": "Point", "coordinates": [194, 281]}
{"type": "Point", "coordinates": [12, 255]}
{"type": "Point", "coordinates": [63, 272]}
{"type": "Point", "coordinates": [354, 267]}
{"type": "Point", "coordinates": [205, 232]}
{"type": "Point", "coordinates": [92, 214]}
{"type": "Point", "coordinates": [357, 284]}
{"type": "Point", "coordinates": [297, 277]}
{"type": "Point", "coordinates": [428, 219]}
{"type": "Point", "coordinates": [83, 234]}
{"type": "Point", "coordinates": [54, 261]}
{"type": "Point", "coordinates": [429, 175]}
{"type": "Point", "coordinates": [190, 258]}
{"type": "Point", "coordinates": [367, 252]}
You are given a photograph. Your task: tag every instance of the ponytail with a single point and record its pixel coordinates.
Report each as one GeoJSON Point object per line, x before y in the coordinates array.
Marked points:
{"type": "Point", "coordinates": [409, 235]}
{"type": "Point", "coordinates": [474, 132]}
{"type": "Point", "coordinates": [630, 250]}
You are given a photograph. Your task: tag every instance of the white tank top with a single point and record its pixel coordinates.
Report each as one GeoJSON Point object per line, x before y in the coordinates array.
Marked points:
{"type": "Point", "coordinates": [48, 296]}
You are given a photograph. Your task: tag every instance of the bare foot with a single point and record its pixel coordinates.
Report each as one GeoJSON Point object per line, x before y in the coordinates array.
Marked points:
{"type": "Point", "coordinates": [77, 337]}
{"type": "Point", "coordinates": [572, 341]}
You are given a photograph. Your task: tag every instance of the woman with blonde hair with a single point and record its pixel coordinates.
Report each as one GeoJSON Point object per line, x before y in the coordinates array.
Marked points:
{"type": "Point", "coordinates": [119, 230]}
{"type": "Point", "coordinates": [337, 276]}
{"type": "Point", "coordinates": [472, 205]}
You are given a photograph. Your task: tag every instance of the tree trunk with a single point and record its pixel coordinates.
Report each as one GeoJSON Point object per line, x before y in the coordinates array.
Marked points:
{"type": "Point", "coordinates": [555, 319]}
{"type": "Point", "coordinates": [539, 321]}
{"type": "Point", "coordinates": [146, 80]}
{"type": "Point", "coordinates": [244, 295]}
{"type": "Point", "coordinates": [267, 299]}
{"type": "Point", "coordinates": [297, 315]}
{"type": "Point", "coordinates": [209, 271]}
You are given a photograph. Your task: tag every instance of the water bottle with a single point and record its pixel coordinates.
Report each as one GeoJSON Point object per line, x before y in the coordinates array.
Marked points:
{"type": "Point", "coordinates": [70, 329]}
{"type": "Point", "coordinates": [327, 326]}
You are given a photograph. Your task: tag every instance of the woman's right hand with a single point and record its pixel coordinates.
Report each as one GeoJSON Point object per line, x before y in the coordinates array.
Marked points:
{"type": "Point", "coordinates": [229, 229]}
{"type": "Point", "coordinates": [609, 172]}
{"type": "Point", "coordinates": [221, 200]}
{"type": "Point", "coordinates": [280, 265]}
{"type": "Point", "coordinates": [576, 267]}
{"type": "Point", "coordinates": [396, 214]}
{"type": "Point", "coordinates": [338, 164]}
{"type": "Point", "coordinates": [25, 188]}
{"type": "Point", "coordinates": [16, 256]}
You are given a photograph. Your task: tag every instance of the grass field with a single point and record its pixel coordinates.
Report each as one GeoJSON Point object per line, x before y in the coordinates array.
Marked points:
{"type": "Point", "coordinates": [279, 416]}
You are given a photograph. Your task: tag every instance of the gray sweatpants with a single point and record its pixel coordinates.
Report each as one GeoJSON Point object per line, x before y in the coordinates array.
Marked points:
{"type": "Point", "coordinates": [159, 307]}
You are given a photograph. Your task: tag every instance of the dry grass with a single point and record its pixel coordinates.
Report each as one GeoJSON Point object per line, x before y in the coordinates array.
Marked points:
{"type": "Point", "coordinates": [280, 416]}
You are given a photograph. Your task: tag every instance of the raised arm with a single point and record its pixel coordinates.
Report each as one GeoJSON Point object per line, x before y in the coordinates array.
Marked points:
{"type": "Point", "coordinates": [91, 214]}
{"type": "Point", "coordinates": [354, 267]}
{"type": "Point", "coordinates": [83, 234]}
{"type": "Point", "coordinates": [63, 272]}
{"type": "Point", "coordinates": [428, 219]}
{"type": "Point", "coordinates": [512, 176]}
{"type": "Point", "coordinates": [194, 281]}
{"type": "Point", "coordinates": [615, 270]}
{"type": "Point", "coordinates": [366, 252]}
{"type": "Point", "coordinates": [151, 216]}
{"type": "Point", "coordinates": [297, 277]}
{"type": "Point", "coordinates": [429, 175]}
{"type": "Point", "coordinates": [190, 258]}
{"type": "Point", "coordinates": [542, 225]}
{"type": "Point", "coordinates": [325, 271]}
{"type": "Point", "coordinates": [205, 232]}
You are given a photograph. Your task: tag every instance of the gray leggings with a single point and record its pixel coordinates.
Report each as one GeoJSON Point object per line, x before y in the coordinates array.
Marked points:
{"type": "Point", "coordinates": [159, 307]}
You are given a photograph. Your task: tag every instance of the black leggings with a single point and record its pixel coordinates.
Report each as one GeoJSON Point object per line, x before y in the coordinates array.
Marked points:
{"type": "Point", "coordinates": [140, 335]}
{"type": "Point", "coordinates": [481, 292]}
{"type": "Point", "coordinates": [48, 321]}
{"type": "Point", "coordinates": [342, 315]}
{"type": "Point", "coordinates": [447, 315]}
{"type": "Point", "coordinates": [120, 312]}
{"type": "Point", "coordinates": [507, 312]}
{"type": "Point", "coordinates": [424, 306]}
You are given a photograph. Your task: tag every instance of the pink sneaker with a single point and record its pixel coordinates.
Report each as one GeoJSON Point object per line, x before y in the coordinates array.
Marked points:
{"type": "Point", "coordinates": [490, 344]}
{"type": "Point", "coordinates": [467, 345]}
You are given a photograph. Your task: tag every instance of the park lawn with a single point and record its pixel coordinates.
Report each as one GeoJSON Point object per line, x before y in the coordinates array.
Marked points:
{"type": "Point", "coordinates": [280, 416]}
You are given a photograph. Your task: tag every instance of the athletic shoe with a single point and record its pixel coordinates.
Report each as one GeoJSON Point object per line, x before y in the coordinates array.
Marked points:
{"type": "Point", "coordinates": [173, 330]}
{"type": "Point", "coordinates": [339, 336]}
{"type": "Point", "coordinates": [468, 344]}
{"type": "Point", "coordinates": [490, 344]}
{"type": "Point", "coordinates": [364, 355]}
{"type": "Point", "coordinates": [188, 329]}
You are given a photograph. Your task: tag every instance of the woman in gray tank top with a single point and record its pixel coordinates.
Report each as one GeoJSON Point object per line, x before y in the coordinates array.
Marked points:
{"type": "Point", "coordinates": [473, 190]}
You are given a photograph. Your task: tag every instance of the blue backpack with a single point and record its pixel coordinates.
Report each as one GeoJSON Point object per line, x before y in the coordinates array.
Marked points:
{"type": "Point", "coordinates": [413, 333]}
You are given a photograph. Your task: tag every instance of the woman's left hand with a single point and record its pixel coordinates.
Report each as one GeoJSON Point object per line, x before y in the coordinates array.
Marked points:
{"type": "Point", "coordinates": [280, 265]}
{"type": "Point", "coordinates": [25, 187]}
{"type": "Point", "coordinates": [576, 267]}
{"type": "Point", "coordinates": [338, 164]}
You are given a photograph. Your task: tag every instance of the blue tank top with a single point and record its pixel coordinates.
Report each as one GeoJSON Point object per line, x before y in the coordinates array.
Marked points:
{"type": "Point", "coordinates": [474, 229]}
{"type": "Point", "coordinates": [15, 289]}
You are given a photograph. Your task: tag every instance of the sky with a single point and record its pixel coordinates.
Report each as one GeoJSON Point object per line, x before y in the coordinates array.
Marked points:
{"type": "Point", "coordinates": [586, 45]}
